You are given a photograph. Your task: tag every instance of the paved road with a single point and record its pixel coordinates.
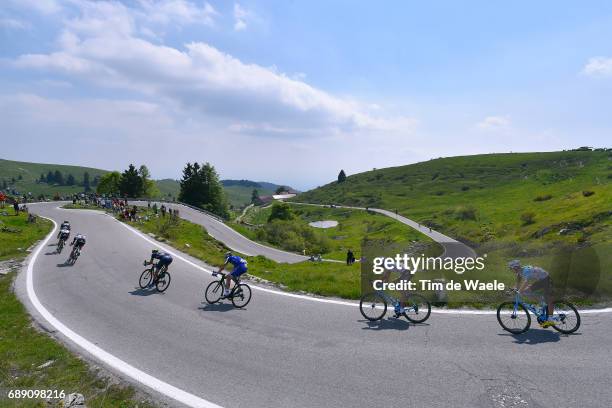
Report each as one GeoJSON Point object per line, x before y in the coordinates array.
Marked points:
{"type": "Point", "coordinates": [230, 237]}
{"type": "Point", "coordinates": [291, 352]}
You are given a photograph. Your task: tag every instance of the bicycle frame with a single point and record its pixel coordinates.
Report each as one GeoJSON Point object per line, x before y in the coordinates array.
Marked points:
{"type": "Point", "coordinates": [529, 306]}
{"type": "Point", "coordinates": [391, 300]}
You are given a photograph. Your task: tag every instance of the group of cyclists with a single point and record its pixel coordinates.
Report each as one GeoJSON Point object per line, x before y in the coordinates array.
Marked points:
{"type": "Point", "coordinates": [528, 278]}
{"type": "Point", "coordinates": [78, 241]}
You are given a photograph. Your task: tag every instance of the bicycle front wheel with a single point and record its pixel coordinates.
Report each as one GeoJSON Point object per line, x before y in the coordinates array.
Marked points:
{"type": "Point", "coordinates": [513, 318]}
{"type": "Point", "coordinates": [60, 246]}
{"type": "Point", "coordinates": [163, 282]}
{"type": "Point", "coordinates": [241, 295]}
{"type": "Point", "coordinates": [145, 279]}
{"type": "Point", "coordinates": [418, 309]}
{"type": "Point", "coordinates": [213, 292]}
{"type": "Point", "coordinates": [373, 306]}
{"type": "Point", "coordinates": [567, 316]}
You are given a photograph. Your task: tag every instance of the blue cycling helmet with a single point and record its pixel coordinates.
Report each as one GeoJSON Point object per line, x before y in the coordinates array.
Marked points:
{"type": "Point", "coordinates": [515, 263]}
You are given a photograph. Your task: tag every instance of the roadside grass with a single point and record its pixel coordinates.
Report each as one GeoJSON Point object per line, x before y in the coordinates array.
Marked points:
{"type": "Point", "coordinates": [482, 200]}
{"type": "Point", "coordinates": [354, 226]}
{"type": "Point", "coordinates": [25, 351]}
{"type": "Point", "coordinates": [319, 278]}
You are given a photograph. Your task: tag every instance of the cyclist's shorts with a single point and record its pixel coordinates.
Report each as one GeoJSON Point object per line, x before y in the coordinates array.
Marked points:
{"type": "Point", "coordinates": [240, 270]}
{"type": "Point", "coordinates": [544, 285]}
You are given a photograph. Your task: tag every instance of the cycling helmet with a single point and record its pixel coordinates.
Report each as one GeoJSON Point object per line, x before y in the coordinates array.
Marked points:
{"type": "Point", "coordinates": [154, 251]}
{"type": "Point", "coordinates": [228, 254]}
{"type": "Point", "coordinates": [515, 263]}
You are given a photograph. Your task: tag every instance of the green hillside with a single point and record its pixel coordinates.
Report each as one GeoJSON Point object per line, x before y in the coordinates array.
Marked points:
{"type": "Point", "coordinates": [24, 177]}
{"type": "Point", "coordinates": [529, 205]}
{"type": "Point", "coordinates": [239, 191]}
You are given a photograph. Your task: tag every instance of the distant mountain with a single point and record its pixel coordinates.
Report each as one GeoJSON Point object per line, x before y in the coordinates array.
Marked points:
{"type": "Point", "coordinates": [24, 177]}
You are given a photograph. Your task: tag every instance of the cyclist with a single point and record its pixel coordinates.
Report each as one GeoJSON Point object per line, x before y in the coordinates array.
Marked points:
{"type": "Point", "coordinates": [78, 241]}
{"type": "Point", "coordinates": [404, 275]}
{"type": "Point", "coordinates": [532, 278]}
{"type": "Point", "coordinates": [65, 226]}
{"type": "Point", "coordinates": [240, 268]}
{"type": "Point", "coordinates": [163, 260]}
{"type": "Point", "coordinates": [64, 234]}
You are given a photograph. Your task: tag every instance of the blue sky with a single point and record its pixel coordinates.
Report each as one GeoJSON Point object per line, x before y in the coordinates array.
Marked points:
{"type": "Point", "coordinates": [291, 92]}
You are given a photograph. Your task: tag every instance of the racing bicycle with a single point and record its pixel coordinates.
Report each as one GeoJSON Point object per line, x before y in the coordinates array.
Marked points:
{"type": "Point", "coordinates": [74, 254]}
{"type": "Point", "coordinates": [514, 316]}
{"type": "Point", "coordinates": [60, 244]}
{"type": "Point", "coordinates": [373, 306]}
{"type": "Point", "coordinates": [240, 295]}
{"type": "Point", "coordinates": [160, 278]}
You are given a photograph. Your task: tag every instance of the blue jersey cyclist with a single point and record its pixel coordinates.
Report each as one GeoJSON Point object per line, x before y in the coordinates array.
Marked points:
{"type": "Point", "coordinates": [240, 268]}
{"type": "Point", "coordinates": [163, 260]}
{"type": "Point", "coordinates": [534, 278]}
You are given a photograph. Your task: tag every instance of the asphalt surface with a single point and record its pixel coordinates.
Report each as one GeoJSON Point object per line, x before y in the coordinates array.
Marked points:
{"type": "Point", "coordinates": [288, 352]}
{"type": "Point", "coordinates": [227, 235]}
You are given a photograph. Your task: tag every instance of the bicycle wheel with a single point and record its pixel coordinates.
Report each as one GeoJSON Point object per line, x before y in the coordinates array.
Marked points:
{"type": "Point", "coordinates": [145, 278]}
{"type": "Point", "coordinates": [214, 291]}
{"type": "Point", "coordinates": [515, 322]}
{"type": "Point", "coordinates": [241, 295]}
{"type": "Point", "coordinates": [373, 306]}
{"type": "Point", "coordinates": [418, 309]}
{"type": "Point", "coordinates": [163, 282]}
{"type": "Point", "coordinates": [60, 246]}
{"type": "Point", "coordinates": [569, 318]}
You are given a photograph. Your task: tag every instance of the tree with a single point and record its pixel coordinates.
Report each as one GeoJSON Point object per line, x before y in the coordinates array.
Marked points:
{"type": "Point", "coordinates": [255, 197]}
{"type": "Point", "coordinates": [20, 177]}
{"type": "Point", "coordinates": [341, 176]}
{"type": "Point", "coordinates": [200, 187]}
{"type": "Point", "coordinates": [280, 211]}
{"type": "Point", "coordinates": [58, 177]}
{"type": "Point", "coordinates": [131, 184]}
{"type": "Point", "coordinates": [281, 189]}
{"type": "Point", "coordinates": [42, 178]}
{"type": "Point", "coordinates": [149, 187]}
{"type": "Point", "coordinates": [12, 180]}
{"type": "Point", "coordinates": [70, 180]}
{"type": "Point", "coordinates": [95, 181]}
{"type": "Point", "coordinates": [86, 185]}
{"type": "Point", "coordinates": [109, 184]}
{"type": "Point", "coordinates": [4, 185]}
{"type": "Point", "coordinates": [50, 177]}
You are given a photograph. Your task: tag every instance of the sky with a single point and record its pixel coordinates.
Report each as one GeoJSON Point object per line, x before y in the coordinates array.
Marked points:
{"type": "Point", "coordinates": [293, 91]}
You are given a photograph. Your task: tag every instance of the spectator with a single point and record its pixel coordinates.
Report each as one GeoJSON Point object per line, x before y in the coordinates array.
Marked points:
{"type": "Point", "coordinates": [16, 207]}
{"type": "Point", "coordinates": [350, 257]}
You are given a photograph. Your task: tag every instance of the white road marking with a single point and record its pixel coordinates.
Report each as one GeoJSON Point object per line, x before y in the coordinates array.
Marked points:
{"type": "Point", "coordinates": [102, 355]}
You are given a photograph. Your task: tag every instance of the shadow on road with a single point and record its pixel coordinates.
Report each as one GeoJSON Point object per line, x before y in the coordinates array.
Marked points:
{"type": "Point", "coordinates": [386, 324]}
{"type": "Point", "coordinates": [535, 336]}
{"type": "Point", "coordinates": [65, 264]}
{"type": "Point", "coordinates": [145, 292]}
{"type": "Point", "coordinates": [217, 307]}
{"type": "Point", "coordinates": [51, 253]}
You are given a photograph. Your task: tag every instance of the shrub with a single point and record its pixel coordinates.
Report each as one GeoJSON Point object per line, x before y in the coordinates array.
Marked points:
{"type": "Point", "coordinates": [465, 213]}
{"type": "Point", "coordinates": [544, 197]}
{"type": "Point", "coordinates": [280, 211]}
{"type": "Point", "coordinates": [465, 188]}
{"type": "Point", "coordinates": [528, 218]}
{"type": "Point", "coordinates": [587, 193]}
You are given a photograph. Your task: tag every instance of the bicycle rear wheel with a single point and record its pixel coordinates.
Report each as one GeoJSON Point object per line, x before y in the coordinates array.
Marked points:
{"type": "Point", "coordinates": [373, 306]}
{"type": "Point", "coordinates": [60, 246]}
{"type": "Point", "coordinates": [569, 318]}
{"type": "Point", "coordinates": [418, 309]}
{"type": "Point", "coordinates": [163, 282]}
{"type": "Point", "coordinates": [145, 278]}
{"type": "Point", "coordinates": [511, 320]}
{"type": "Point", "coordinates": [241, 295]}
{"type": "Point", "coordinates": [214, 291]}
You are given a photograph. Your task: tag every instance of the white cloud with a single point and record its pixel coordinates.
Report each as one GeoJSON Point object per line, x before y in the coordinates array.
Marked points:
{"type": "Point", "coordinates": [14, 24]}
{"type": "Point", "coordinates": [598, 66]}
{"type": "Point", "coordinates": [494, 123]}
{"type": "Point", "coordinates": [178, 12]}
{"type": "Point", "coordinates": [101, 46]}
{"type": "Point", "coordinates": [240, 16]}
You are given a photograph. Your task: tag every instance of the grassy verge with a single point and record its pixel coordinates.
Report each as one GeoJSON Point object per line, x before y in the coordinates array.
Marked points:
{"type": "Point", "coordinates": [320, 278]}
{"type": "Point", "coordinates": [354, 226]}
{"type": "Point", "coordinates": [30, 359]}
